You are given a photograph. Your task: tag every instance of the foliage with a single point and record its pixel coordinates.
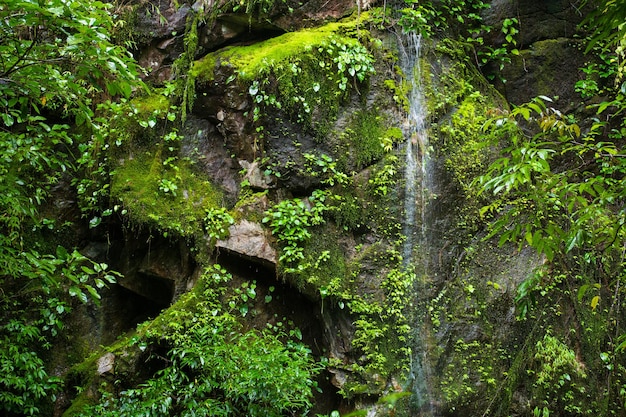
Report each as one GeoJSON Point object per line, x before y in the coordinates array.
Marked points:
{"type": "Point", "coordinates": [558, 378]}
{"type": "Point", "coordinates": [24, 380]}
{"type": "Point", "coordinates": [351, 59]}
{"type": "Point", "coordinates": [599, 73]}
{"type": "Point", "coordinates": [606, 22]}
{"type": "Point", "coordinates": [608, 32]}
{"type": "Point", "coordinates": [500, 54]}
{"type": "Point", "coordinates": [212, 367]}
{"type": "Point", "coordinates": [433, 17]}
{"type": "Point", "coordinates": [57, 56]}
{"type": "Point", "coordinates": [290, 221]}
{"type": "Point", "coordinates": [382, 330]}
{"type": "Point", "coordinates": [56, 64]}
{"type": "Point", "coordinates": [560, 192]}
{"type": "Point", "coordinates": [462, 20]}
{"type": "Point", "coordinates": [323, 166]}
{"type": "Point", "coordinates": [217, 222]}
{"type": "Point", "coordinates": [384, 179]}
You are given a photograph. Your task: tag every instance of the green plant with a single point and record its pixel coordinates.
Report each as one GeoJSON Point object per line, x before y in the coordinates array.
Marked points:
{"type": "Point", "coordinates": [500, 55]}
{"type": "Point", "coordinates": [351, 60]}
{"type": "Point", "coordinates": [56, 62]}
{"type": "Point", "coordinates": [559, 191]}
{"type": "Point", "coordinates": [167, 187]}
{"type": "Point", "coordinates": [242, 297]}
{"type": "Point", "coordinates": [599, 75]}
{"type": "Point", "coordinates": [558, 377]}
{"type": "Point", "coordinates": [384, 179]}
{"type": "Point", "coordinates": [433, 17]}
{"type": "Point", "coordinates": [324, 166]}
{"type": "Point", "coordinates": [216, 223]}
{"type": "Point", "coordinates": [213, 367]}
{"type": "Point", "coordinates": [290, 220]}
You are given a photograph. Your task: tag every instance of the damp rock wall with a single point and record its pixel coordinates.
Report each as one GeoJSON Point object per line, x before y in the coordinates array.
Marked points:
{"type": "Point", "coordinates": [274, 150]}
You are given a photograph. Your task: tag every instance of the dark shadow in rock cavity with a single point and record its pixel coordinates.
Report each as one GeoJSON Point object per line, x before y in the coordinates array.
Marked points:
{"type": "Point", "coordinates": [126, 309]}
{"type": "Point", "coordinates": [234, 29]}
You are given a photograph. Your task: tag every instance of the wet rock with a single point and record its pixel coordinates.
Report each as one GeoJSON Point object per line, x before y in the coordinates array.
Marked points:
{"type": "Point", "coordinates": [315, 12]}
{"type": "Point", "coordinates": [162, 19]}
{"type": "Point", "coordinates": [227, 107]}
{"type": "Point", "coordinates": [229, 28]}
{"type": "Point", "coordinates": [158, 272]}
{"type": "Point", "coordinates": [549, 67]}
{"type": "Point", "coordinates": [204, 145]}
{"type": "Point", "coordinates": [538, 19]}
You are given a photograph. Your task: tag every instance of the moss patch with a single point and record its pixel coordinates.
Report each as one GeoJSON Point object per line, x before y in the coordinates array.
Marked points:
{"type": "Point", "coordinates": [250, 60]}
{"type": "Point", "coordinates": [168, 198]}
{"type": "Point", "coordinates": [365, 136]}
{"type": "Point", "coordinates": [304, 74]}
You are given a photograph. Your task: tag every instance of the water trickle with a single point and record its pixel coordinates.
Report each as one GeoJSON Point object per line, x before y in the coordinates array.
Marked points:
{"type": "Point", "coordinates": [417, 176]}
{"type": "Point", "coordinates": [418, 179]}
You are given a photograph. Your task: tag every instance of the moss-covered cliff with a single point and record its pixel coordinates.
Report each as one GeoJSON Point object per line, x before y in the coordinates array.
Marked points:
{"type": "Point", "coordinates": [257, 214]}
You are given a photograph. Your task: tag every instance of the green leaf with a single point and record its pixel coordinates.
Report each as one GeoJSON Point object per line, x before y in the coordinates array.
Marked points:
{"type": "Point", "coordinates": [88, 270]}
{"type": "Point", "coordinates": [92, 291]}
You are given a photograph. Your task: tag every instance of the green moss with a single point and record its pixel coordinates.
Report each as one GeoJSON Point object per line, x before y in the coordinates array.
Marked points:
{"type": "Point", "coordinates": [150, 104]}
{"type": "Point", "coordinates": [400, 93]}
{"type": "Point", "coordinates": [78, 405]}
{"type": "Point", "coordinates": [253, 59]}
{"type": "Point", "coordinates": [304, 74]}
{"type": "Point", "coordinates": [250, 205]}
{"type": "Point", "coordinates": [463, 140]}
{"type": "Point", "coordinates": [170, 198]}
{"type": "Point", "coordinates": [327, 269]}
{"type": "Point", "coordinates": [350, 213]}
{"type": "Point", "coordinates": [129, 122]}
{"type": "Point", "coordinates": [365, 136]}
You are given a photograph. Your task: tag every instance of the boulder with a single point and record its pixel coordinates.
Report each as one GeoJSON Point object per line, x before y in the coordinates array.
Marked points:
{"type": "Point", "coordinates": [249, 240]}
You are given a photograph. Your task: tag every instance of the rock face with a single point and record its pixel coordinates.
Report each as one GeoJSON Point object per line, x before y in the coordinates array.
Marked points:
{"type": "Point", "coordinates": [205, 146]}
{"type": "Point", "coordinates": [540, 70]}
{"type": "Point", "coordinates": [550, 55]}
{"type": "Point", "coordinates": [538, 20]}
{"type": "Point", "coordinates": [106, 363]}
{"type": "Point", "coordinates": [158, 272]}
{"type": "Point", "coordinates": [249, 240]}
{"type": "Point", "coordinates": [333, 148]}
{"type": "Point", "coordinates": [314, 12]}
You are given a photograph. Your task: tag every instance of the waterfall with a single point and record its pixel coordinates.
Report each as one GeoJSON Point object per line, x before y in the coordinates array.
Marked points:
{"type": "Point", "coordinates": [418, 179]}
{"type": "Point", "coordinates": [417, 176]}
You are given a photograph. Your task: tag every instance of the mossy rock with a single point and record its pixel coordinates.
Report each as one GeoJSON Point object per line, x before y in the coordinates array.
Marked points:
{"type": "Point", "coordinates": [170, 198]}
{"type": "Point", "coordinates": [252, 60]}
{"type": "Point", "coordinates": [549, 67]}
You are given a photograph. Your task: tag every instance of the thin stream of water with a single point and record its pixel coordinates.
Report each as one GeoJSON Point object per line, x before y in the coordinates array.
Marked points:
{"type": "Point", "coordinates": [418, 180]}
{"type": "Point", "coordinates": [416, 149]}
